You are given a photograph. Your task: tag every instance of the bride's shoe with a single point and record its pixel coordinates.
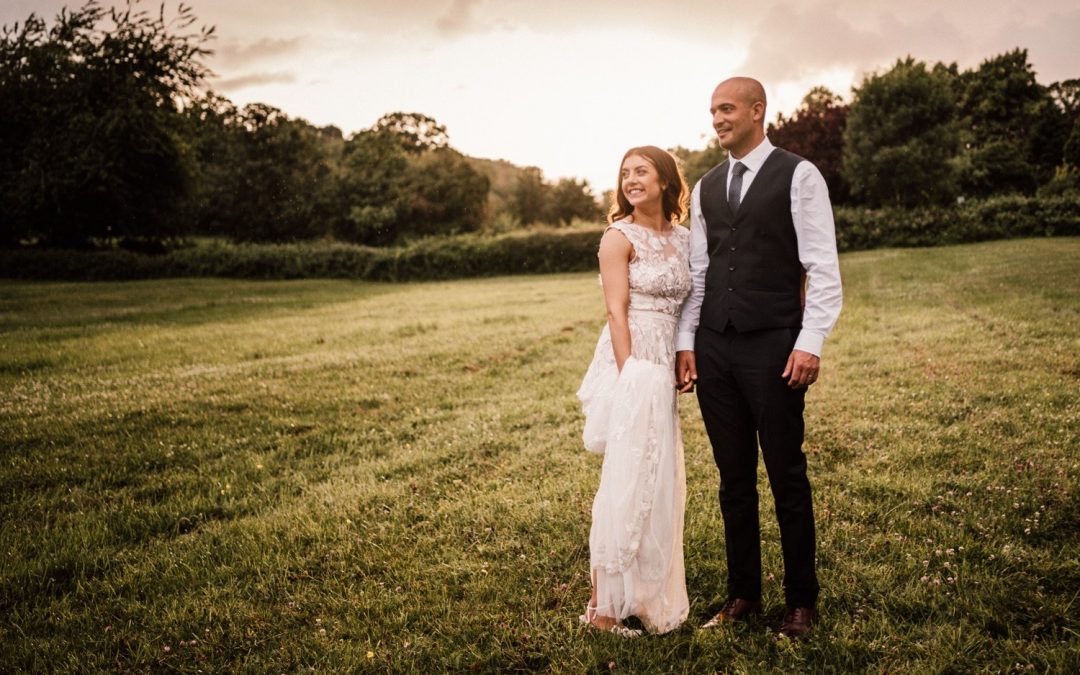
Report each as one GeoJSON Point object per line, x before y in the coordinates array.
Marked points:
{"type": "Point", "coordinates": [624, 632]}
{"type": "Point", "coordinates": [589, 619]}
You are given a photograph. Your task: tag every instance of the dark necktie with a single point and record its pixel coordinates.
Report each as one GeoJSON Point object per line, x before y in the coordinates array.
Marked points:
{"type": "Point", "coordinates": [734, 193]}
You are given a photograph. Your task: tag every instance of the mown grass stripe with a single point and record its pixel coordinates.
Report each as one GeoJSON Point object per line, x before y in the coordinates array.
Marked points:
{"type": "Point", "coordinates": [335, 468]}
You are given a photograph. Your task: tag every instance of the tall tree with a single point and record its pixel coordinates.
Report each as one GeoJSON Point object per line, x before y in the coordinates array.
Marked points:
{"type": "Point", "coordinates": [1009, 127]}
{"type": "Point", "coordinates": [280, 178]}
{"type": "Point", "coordinates": [1066, 96]}
{"type": "Point", "coordinates": [90, 123]}
{"type": "Point", "coordinates": [570, 199]}
{"type": "Point", "coordinates": [371, 188]}
{"type": "Point", "coordinates": [211, 136]}
{"type": "Point", "coordinates": [416, 132]}
{"type": "Point", "coordinates": [400, 179]}
{"type": "Point", "coordinates": [1050, 137]}
{"type": "Point", "coordinates": [816, 131]}
{"type": "Point", "coordinates": [443, 194]}
{"type": "Point", "coordinates": [1072, 146]}
{"type": "Point", "coordinates": [531, 195]}
{"type": "Point", "coordinates": [1066, 178]}
{"type": "Point", "coordinates": [697, 163]}
{"type": "Point", "coordinates": [901, 138]}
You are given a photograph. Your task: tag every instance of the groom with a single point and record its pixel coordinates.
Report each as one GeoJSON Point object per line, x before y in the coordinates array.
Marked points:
{"type": "Point", "coordinates": [751, 342]}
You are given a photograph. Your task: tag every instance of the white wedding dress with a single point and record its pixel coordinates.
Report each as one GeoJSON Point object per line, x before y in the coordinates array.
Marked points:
{"type": "Point", "coordinates": [636, 541]}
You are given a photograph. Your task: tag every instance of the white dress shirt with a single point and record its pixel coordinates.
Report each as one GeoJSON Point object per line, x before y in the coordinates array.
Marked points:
{"type": "Point", "coordinates": [816, 235]}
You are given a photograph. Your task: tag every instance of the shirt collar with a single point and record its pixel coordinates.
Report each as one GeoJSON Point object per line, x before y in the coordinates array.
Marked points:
{"type": "Point", "coordinates": [756, 157]}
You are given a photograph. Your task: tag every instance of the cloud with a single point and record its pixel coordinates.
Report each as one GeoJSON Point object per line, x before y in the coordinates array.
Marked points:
{"type": "Point", "coordinates": [1051, 45]}
{"type": "Point", "coordinates": [458, 18]}
{"type": "Point", "coordinates": [791, 43]}
{"type": "Point", "coordinates": [931, 38]}
{"type": "Point", "coordinates": [825, 45]}
{"type": "Point", "coordinates": [233, 84]}
{"type": "Point", "coordinates": [235, 55]}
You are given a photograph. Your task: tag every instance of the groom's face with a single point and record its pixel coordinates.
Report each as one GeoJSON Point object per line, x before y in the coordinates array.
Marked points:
{"type": "Point", "coordinates": [733, 119]}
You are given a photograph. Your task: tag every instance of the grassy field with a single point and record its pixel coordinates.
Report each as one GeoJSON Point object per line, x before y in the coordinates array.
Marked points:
{"type": "Point", "coordinates": [276, 476]}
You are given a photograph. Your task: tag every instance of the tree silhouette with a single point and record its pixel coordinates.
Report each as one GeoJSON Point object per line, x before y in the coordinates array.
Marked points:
{"type": "Point", "coordinates": [816, 131]}
{"type": "Point", "coordinates": [91, 125]}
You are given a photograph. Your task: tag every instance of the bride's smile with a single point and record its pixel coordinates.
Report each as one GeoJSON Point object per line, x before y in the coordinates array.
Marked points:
{"type": "Point", "coordinates": [640, 182]}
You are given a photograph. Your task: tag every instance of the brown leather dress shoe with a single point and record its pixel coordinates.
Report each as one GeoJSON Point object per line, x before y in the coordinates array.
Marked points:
{"type": "Point", "coordinates": [797, 622]}
{"type": "Point", "coordinates": [735, 609]}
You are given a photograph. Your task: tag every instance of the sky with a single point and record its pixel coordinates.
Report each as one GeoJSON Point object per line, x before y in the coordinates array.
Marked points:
{"type": "Point", "coordinates": [569, 85]}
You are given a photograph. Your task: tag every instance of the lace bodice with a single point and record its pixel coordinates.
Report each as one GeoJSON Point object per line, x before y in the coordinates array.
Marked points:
{"type": "Point", "coordinates": [659, 282]}
{"type": "Point", "coordinates": [659, 271]}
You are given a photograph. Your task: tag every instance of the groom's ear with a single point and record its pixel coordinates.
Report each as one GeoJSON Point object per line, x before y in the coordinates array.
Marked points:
{"type": "Point", "coordinates": [757, 110]}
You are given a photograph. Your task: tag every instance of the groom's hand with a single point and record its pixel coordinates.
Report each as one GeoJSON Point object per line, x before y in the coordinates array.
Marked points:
{"type": "Point", "coordinates": [802, 369]}
{"type": "Point", "coordinates": [685, 371]}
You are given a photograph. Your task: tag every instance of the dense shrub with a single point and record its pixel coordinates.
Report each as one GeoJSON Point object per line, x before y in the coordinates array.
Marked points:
{"type": "Point", "coordinates": [537, 251]}
{"type": "Point", "coordinates": [470, 255]}
{"type": "Point", "coordinates": [1004, 217]}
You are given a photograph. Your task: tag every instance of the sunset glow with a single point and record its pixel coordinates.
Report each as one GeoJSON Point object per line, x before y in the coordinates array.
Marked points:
{"type": "Point", "coordinates": [569, 85]}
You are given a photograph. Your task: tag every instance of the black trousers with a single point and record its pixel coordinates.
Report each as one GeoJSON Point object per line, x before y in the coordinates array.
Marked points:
{"type": "Point", "coordinates": [744, 401]}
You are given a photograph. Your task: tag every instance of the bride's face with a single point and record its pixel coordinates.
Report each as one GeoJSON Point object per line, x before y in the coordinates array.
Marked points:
{"type": "Point", "coordinates": [640, 182]}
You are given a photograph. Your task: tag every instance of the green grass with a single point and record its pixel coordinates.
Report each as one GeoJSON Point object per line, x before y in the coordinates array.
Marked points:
{"type": "Point", "coordinates": [274, 476]}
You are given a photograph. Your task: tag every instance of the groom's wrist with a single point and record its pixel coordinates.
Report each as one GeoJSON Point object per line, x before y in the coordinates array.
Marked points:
{"type": "Point", "coordinates": [684, 342]}
{"type": "Point", "coordinates": [810, 342]}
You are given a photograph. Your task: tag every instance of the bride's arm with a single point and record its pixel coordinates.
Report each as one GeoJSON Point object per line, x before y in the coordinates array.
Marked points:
{"type": "Point", "coordinates": [615, 255]}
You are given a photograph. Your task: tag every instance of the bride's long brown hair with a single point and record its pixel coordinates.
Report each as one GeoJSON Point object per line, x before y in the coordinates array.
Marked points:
{"type": "Point", "coordinates": [676, 197]}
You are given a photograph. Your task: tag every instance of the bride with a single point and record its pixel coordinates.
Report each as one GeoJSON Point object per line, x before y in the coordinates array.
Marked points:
{"type": "Point", "coordinates": [629, 400]}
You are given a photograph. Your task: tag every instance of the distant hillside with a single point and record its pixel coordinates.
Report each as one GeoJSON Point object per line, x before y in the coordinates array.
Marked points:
{"type": "Point", "coordinates": [503, 176]}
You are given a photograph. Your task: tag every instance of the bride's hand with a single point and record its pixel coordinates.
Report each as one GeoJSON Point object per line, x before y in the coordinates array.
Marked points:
{"type": "Point", "coordinates": [685, 371]}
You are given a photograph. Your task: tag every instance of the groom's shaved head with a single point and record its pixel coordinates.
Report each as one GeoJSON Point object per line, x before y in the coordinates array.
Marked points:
{"type": "Point", "coordinates": [737, 107]}
{"type": "Point", "coordinates": [745, 88]}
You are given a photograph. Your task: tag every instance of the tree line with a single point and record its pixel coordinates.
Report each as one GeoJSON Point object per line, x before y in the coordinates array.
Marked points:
{"type": "Point", "coordinates": [106, 134]}
{"type": "Point", "coordinates": [919, 135]}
